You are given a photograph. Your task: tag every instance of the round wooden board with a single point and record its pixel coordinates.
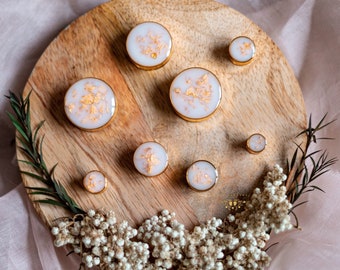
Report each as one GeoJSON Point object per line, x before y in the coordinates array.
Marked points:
{"type": "Point", "coordinates": [263, 97]}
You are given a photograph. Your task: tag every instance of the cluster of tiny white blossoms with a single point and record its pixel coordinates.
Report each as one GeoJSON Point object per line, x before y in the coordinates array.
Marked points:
{"type": "Point", "coordinates": [266, 211]}
{"type": "Point", "coordinates": [101, 241]}
{"type": "Point", "coordinates": [161, 242]}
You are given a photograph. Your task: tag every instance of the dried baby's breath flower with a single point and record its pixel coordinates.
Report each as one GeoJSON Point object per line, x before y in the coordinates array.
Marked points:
{"type": "Point", "coordinates": [161, 242]}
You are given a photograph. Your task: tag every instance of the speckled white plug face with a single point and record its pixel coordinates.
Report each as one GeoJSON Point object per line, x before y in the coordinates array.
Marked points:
{"type": "Point", "coordinates": [149, 45]}
{"type": "Point", "coordinates": [202, 175]}
{"type": "Point", "coordinates": [150, 159]}
{"type": "Point", "coordinates": [195, 94]}
{"type": "Point", "coordinates": [241, 50]}
{"type": "Point", "coordinates": [256, 143]}
{"type": "Point", "coordinates": [90, 103]}
{"type": "Point", "coordinates": [95, 182]}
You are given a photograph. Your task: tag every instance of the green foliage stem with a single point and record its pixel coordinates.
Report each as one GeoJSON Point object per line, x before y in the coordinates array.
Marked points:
{"type": "Point", "coordinates": [31, 145]}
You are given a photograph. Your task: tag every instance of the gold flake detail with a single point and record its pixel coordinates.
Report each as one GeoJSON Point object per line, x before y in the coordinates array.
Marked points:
{"type": "Point", "coordinates": [150, 158]}
{"type": "Point", "coordinates": [70, 107]}
{"type": "Point", "coordinates": [245, 48]}
{"type": "Point", "coordinates": [201, 177]}
{"type": "Point", "coordinates": [151, 44]}
{"type": "Point", "coordinates": [200, 90]}
{"type": "Point", "coordinates": [93, 103]}
{"type": "Point", "coordinates": [92, 183]}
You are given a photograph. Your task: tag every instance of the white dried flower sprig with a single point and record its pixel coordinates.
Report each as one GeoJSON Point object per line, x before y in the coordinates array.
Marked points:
{"type": "Point", "coordinates": [267, 210]}
{"type": "Point", "coordinates": [161, 242]}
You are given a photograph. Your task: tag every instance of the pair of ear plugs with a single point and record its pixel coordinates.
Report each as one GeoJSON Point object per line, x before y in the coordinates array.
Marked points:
{"type": "Point", "coordinates": [149, 46]}
{"type": "Point", "coordinates": [195, 93]}
{"type": "Point", "coordinates": [151, 159]}
{"type": "Point", "coordinates": [90, 103]}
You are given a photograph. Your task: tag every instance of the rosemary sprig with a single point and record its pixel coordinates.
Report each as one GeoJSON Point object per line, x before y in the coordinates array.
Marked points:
{"type": "Point", "coordinates": [301, 177]}
{"type": "Point", "coordinates": [32, 146]}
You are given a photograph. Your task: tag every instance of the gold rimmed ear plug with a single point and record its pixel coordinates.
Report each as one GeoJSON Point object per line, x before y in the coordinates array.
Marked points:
{"type": "Point", "coordinates": [202, 175]}
{"type": "Point", "coordinates": [95, 182]}
{"type": "Point", "coordinates": [195, 94]}
{"type": "Point", "coordinates": [242, 50]}
{"type": "Point", "coordinates": [256, 143]}
{"type": "Point", "coordinates": [150, 159]}
{"type": "Point", "coordinates": [149, 45]}
{"type": "Point", "coordinates": [90, 104]}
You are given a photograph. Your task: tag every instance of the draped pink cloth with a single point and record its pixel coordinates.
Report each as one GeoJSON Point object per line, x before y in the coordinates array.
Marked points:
{"type": "Point", "coordinates": [308, 33]}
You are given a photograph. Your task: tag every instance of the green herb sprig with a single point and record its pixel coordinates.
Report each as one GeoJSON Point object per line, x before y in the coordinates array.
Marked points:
{"type": "Point", "coordinates": [305, 170]}
{"type": "Point", "coordinates": [31, 146]}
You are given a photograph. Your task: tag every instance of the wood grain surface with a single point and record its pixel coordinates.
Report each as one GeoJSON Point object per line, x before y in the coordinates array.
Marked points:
{"type": "Point", "coordinates": [263, 97]}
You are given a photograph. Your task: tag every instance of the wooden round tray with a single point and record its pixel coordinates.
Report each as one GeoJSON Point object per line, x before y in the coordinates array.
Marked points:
{"type": "Point", "coordinates": [263, 97]}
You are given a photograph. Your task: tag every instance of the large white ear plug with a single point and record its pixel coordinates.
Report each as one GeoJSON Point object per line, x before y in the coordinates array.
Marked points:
{"type": "Point", "coordinates": [149, 45]}
{"type": "Point", "coordinates": [90, 104]}
{"type": "Point", "coordinates": [195, 94]}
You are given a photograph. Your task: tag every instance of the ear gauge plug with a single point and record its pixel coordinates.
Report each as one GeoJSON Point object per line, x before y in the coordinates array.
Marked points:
{"type": "Point", "coordinates": [90, 104]}
{"type": "Point", "coordinates": [241, 51]}
{"type": "Point", "coordinates": [202, 175]}
{"type": "Point", "coordinates": [150, 159]}
{"type": "Point", "coordinates": [149, 45]}
{"type": "Point", "coordinates": [195, 94]}
{"type": "Point", "coordinates": [256, 143]}
{"type": "Point", "coordinates": [95, 182]}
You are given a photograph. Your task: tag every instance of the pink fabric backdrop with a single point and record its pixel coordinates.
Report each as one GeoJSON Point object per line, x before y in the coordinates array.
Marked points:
{"type": "Point", "coordinates": [308, 33]}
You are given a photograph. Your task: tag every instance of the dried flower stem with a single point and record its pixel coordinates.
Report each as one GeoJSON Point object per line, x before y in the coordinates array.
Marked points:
{"type": "Point", "coordinates": [301, 177]}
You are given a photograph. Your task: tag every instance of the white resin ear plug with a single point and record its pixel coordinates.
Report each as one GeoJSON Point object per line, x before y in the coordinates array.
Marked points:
{"type": "Point", "coordinates": [202, 175]}
{"type": "Point", "coordinates": [149, 45]}
{"type": "Point", "coordinates": [195, 94]}
{"type": "Point", "coordinates": [95, 182]}
{"type": "Point", "coordinates": [256, 143]}
{"type": "Point", "coordinates": [241, 50]}
{"type": "Point", "coordinates": [150, 159]}
{"type": "Point", "coordinates": [90, 104]}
